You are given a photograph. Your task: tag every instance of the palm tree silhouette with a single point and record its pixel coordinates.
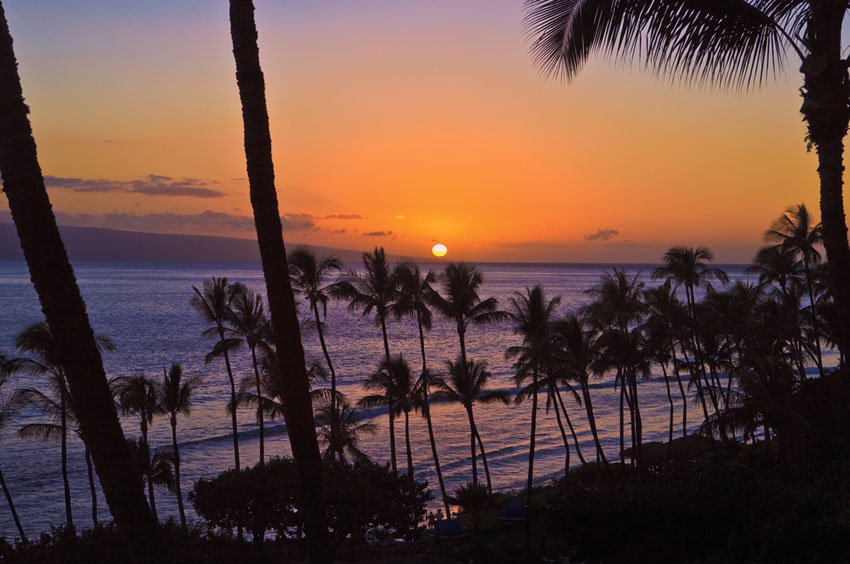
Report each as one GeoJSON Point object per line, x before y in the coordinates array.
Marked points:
{"type": "Point", "coordinates": [8, 408]}
{"type": "Point", "coordinates": [796, 233]}
{"type": "Point", "coordinates": [415, 292]}
{"type": "Point", "coordinates": [396, 389]}
{"type": "Point", "coordinates": [310, 277]}
{"type": "Point", "coordinates": [248, 320]}
{"type": "Point", "coordinates": [38, 342]}
{"type": "Point", "coordinates": [729, 45]}
{"type": "Point", "coordinates": [576, 351]}
{"type": "Point", "coordinates": [214, 304]}
{"type": "Point", "coordinates": [174, 396]}
{"type": "Point", "coordinates": [65, 311]}
{"type": "Point", "coordinates": [462, 304]}
{"type": "Point", "coordinates": [532, 314]}
{"type": "Point", "coordinates": [340, 430]}
{"type": "Point", "coordinates": [466, 385]}
{"type": "Point", "coordinates": [136, 395]}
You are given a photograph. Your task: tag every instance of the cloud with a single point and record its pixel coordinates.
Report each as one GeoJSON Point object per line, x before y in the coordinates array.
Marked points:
{"type": "Point", "coordinates": [151, 185]}
{"type": "Point", "coordinates": [208, 222]}
{"type": "Point", "coordinates": [602, 235]}
{"type": "Point", "coordinates": [400, 216]}
{"type": "Point", "coordinates": [339, 231]}
{"type": "Point", "coordinates": [378, 234]}
{"type": "Point", "coordinates": [343, 216]}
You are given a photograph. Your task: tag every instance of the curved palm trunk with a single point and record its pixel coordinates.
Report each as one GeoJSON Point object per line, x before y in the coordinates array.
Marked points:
{"type": "Point", "coordinates": [69, 517]}
{"type": "Point", "coordinates": [294, 383]}
{"type": "Point", "coordinates": [672, 409]}
{"type": "Point", "coordinates": [622, 422]}
{"type": "Point", "coordinates": [260, 422]}
{"type": "Point", "coordinates": [11, 505]}
{"type": "Point", "coordinates": [92, 490]}
{"type": "Point", "coordinates": [407, 445]}
{"type": "Point", "coordinates": [391, 406]}
{"type": "Point", "coordinates": [472, 454]}
{"type": "Point", "coordinates": [327, 355]}
{"type": "Point", "coordinates": [531, 443]}
{"type": "Point", "coordinates": [678, 376]}
{"type": "Point", "coordinates": [815, 325]}
{"type": "Point", "coordinates": [591, 419]}
{"type": "Point", "coordinates": [484, 460]}
{"type": "Point", "coordinates": [233, 422]}
{"type": "Point", "coordinates": [426, 409]}
{"type": "Point", "coordinates": [65, 313]}
{"type": "Point", "coordinates": [570, 425]}
{"type": "Point", "coordinates": [637, 430]}
{"type": "Point", "coordinates": [563, 434]}
{"type": "Point", "coordinates": [147, 453]}
{"type": "Point", "coordinates": [180, 507]}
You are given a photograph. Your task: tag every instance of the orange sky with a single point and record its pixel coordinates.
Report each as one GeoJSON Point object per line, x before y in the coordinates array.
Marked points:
{"type": "Point", "coordinates": [398, 124]}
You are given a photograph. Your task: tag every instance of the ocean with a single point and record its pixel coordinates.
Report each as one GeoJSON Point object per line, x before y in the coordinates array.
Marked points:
{"type": "Point", "coordinates": [145, 309]}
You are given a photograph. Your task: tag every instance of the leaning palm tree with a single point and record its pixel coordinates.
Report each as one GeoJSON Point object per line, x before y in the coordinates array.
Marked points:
{"type": "Point", "coordinates": [462, 304]}
{"type": "Point", "coordinates": [735, 43]}
{"type": "Point", "coordinates": [65, 311]}
{"type": "Point", "coordinates": [214, 304]}
{"type": "Point", "coordinates": [340, 430]}
{"type": "Point", "coordinates": [532, 314]}
{"type": "Point", "coordinates": [797, 233]}
{"type": "Point", "coordinates": [248, 320]}
{"type": "Point", "coordinates": [174, 396]}
{"type": "Point", "coordinates": [466, 385]}
{"type": "Point", "coordinates": [310, 276]}
{"type": "Point", "coordinates": [40, 345]}
{"type": "Point", "coordinates": [136, 395]}
{"type": "Point", "coordinates": [8, 407]}
{"type": "Point", "coordinates": [414, 296]}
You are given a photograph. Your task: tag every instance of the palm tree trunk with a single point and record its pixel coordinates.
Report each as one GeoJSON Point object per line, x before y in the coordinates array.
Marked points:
{"type": "Point", "coordinates": [570, 425]}
{"type": "Point", "coordinates": [484, 460]}
{"type": "Point", "coordinates": [407, 444]}
{"type": "Point", "coordinates": [180, 507]}
{"type": "Point", "coordinates": [147, 453]}
{"type": "Point", "coordinates": [260, 422]}
{"type": "Point", "coordinates": [815, 328]}
{"type": "Point", "coordinates": [69, 517]}
{"type": "Point", "coordinates": [563, 435]}
{"type": "Point", "coordinates": [622, 422]}
{"type": "Point", "coordinates": [90, 472]}
{"type": "Point", "coordinates": [393, 455]}
{"type": "Point", "coordinates": [426, 409]}
{"type": "Point", "coordinates": [327, 355]}
{"type": "Point", "coordinates": [65, 313]}
{"type": "Point", "coordinates": [637, 430]}
{"type": "Point", "coordinates": [473, 455]}
{"type": "Point", "coordinates": [531, 444]}
{"type": "Point", "coordinates": [233, 422]}
{"type": "Point", "coordinates": [670, 400]}
{"type": "Point", "coordinates": [11, 505]}
{"type": "Point", "coordinates": [682, 392]}
{"type": "Point", "coordinates": [591, 419]}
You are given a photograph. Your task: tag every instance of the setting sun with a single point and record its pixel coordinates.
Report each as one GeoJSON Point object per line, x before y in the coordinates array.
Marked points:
{"type": "Point", "coordinates": [439, 250]}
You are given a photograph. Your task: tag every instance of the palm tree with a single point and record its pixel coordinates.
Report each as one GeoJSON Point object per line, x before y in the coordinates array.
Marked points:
{"type": "Point", "coordinates": [576, 349]}
{"type": "Point", "coordinates": [415, 292]}
{"type": "Point", "coordinates": [38, 342]}
{"type": "Point", "coordinates": [466, 385]}
{"type": "Point", "coordinates": [174, 396]}
{"type": "Point", "coordinates": [797, 233]}
{"type": "Point", "coordinates": [8, 407]}
{"type": "Point", "coordinates": [731, 43]}
{"type": "Point", "coordinates": [462, 304]}
{"type": "Point", "coordinates": [340, 430]}
{"type": "Point", "coordinates": [65, 312]}
{"type": "Point", "coordinates": [396, 389]}
{"type": "Point", "coordinates": [310, 276]}
{"type": "Point", "coordinates": [248, 320]}
{"type": "Point", "coordinates": [136, 395]}
{"type": "Point", "coordinates": [214, 304]}
{"type": "Point", "coordinates": [532, 314]}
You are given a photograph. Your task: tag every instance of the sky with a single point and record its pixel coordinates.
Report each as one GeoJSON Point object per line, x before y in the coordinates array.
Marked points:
{"type": "Point", "coordinates": [399, 124]}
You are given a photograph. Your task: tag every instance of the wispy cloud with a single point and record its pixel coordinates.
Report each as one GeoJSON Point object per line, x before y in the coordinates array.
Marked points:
{"type": "Point", "coordinates": [378, 234]}
{"type": "Point", "coordinates": [151, 185]}
{"type": "Point", "coordinates": [602, 235]}
{"type": "Point", "coordinates": [210, 222]}
{"type": "Point", "coordinates": [342, 216]}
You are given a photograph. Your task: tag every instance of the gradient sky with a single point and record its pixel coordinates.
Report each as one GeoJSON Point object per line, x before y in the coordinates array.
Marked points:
{"type": "Point", "coordinates": [398, 124]}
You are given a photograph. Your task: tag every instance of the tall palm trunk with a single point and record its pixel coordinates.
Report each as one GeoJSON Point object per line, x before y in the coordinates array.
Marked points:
{"type": "Point", "coordinates": [260, 423]}
{"type": "Point", "coordinates": [407, 444]}
{"type": "Point", "coordinates": [92, 490]}
{"type": "Point", "coordinates": [147, 453]}
{"type": "Point", "coordinates": [622, 422]}
{"type": "Point", "coordinates": [473, 455]}
{"type": "Point", "coordinates": [591, 419]}
{"type": "Point", "coordinates": [180, 507]}
{"type": "Point", "coordinates": [564, 438]}
{"type": "Point", "coordinates": [531, 444]}
{"type": "Point", "coordinates": [233, 423]}
{"type": "Point", "coordinates": [11, 505]}
{"type": "Point", "coordinates": [65, 313]}
{"type": "Point", "coordinates": [810, 290]}
{"type": "Point", "coordinates": [391, 405]}
{"type": "Point", "coordinates": [825, 91]}
{"type": "Point", "coordinates": [484, 460]}
{"type": "Point", "coordinates": [426, 409]}
{"type": "Point", "coordinates": [294, 384]}
{"type": "Point", "coordinates": [63, 408]}
{"type": "Point", "coordinates": [672, 409]}
{"type": "Point", "coordinates": [570, 425]}
{"type": "Point", "coordinates": [327, 355]}
{"type": "Point", "coordinates": [637, 429]}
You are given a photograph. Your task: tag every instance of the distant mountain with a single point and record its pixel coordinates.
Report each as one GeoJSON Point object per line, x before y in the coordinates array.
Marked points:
{"type": "Point", "coordinates": [113, 245]}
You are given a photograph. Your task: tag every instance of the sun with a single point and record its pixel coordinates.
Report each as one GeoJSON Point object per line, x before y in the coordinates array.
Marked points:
{"type": "Point", "coordinates": [439, 250]}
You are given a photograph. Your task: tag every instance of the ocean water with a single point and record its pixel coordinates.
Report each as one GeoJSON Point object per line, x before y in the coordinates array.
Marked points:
{"type": "Point", "coordinates": [145, 309]}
